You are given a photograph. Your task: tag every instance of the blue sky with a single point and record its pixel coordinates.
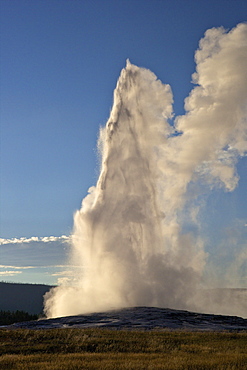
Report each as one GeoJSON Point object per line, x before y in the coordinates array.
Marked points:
{"type": "Point", "coordinates": [60, 61]}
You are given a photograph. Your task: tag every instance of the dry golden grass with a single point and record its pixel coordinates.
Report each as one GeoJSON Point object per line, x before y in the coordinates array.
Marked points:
{"type": "Point", "coordinates": [59, 349]}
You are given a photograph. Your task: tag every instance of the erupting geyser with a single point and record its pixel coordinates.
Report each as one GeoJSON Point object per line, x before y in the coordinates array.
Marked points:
{"type": "Point", "coordinates": [127, 236]}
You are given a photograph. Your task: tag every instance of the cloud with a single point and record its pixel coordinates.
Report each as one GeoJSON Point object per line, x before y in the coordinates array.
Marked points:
{"type": "Point", "coordinates": [44, 239]}
{"type": "Point", "coordinates": [10, 273]}
{"type": "Point", "coordinates": [63, 273]}
{"type": "Point", "coordinates": [17, 267]}
{"type": "Point", "coordinates": [40, 267]}
{"type": "Point", "coordinates": [214, 130]}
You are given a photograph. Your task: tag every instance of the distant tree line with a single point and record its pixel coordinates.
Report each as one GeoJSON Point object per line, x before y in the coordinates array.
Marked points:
{"type": "Point", "coordinates": [8, 317]}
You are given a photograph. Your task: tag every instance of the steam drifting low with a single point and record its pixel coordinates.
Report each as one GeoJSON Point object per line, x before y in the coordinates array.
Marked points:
{"type": "Point", "coordinates": [127, 237]}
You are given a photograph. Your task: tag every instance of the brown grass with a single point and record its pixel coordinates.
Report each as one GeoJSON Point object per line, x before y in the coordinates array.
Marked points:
{"type": "Point", "coordinates": [59, 349]}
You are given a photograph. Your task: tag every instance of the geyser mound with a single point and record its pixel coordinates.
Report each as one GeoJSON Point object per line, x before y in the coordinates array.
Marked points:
{"type": "Point", "coordinates": [142, 318]}
{"type": "Point", "coordinates": [128, 240]}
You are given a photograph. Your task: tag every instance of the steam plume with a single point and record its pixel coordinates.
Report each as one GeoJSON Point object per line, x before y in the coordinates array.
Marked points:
{"type": "Point", "coordinates": [128, 236]}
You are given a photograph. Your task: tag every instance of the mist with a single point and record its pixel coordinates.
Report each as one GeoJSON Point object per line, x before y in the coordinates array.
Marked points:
{"type": "Point", "coordinates": [129, 247]}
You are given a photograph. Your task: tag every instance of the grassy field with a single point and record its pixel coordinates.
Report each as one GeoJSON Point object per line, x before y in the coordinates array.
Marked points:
{"type": "Point", "coordinates": [102, 349]}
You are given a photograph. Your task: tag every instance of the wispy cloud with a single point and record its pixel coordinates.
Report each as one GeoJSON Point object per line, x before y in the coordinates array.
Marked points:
{"type": "Point", "coordinates": [44, 239]}
{"type": "Point", "coordinates": [9, 273]}
{"type": "Point", "coordinates": [35, 267]}
{"type": "Point", "coordinates": [63, 273]}
{"type": "Point", "coordinates": [17, 267]}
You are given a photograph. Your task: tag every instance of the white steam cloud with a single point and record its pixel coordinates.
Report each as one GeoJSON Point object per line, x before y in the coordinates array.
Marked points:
{"type": "Point", "coordinates": [128, 234]}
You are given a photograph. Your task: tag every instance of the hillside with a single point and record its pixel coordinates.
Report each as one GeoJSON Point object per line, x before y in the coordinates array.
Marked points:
{"type": "Point", "coordinates": [22, 297]}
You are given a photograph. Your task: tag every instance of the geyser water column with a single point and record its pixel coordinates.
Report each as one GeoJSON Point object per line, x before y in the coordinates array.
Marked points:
{"type": "Point", "coordinates": [127, 236]}
{"type": "Point", "coordinates": [118, 234]}
{"type": "Point", "coordinates": [119, 226]}
{"type": "Point", "coordinates": [118, 230]}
